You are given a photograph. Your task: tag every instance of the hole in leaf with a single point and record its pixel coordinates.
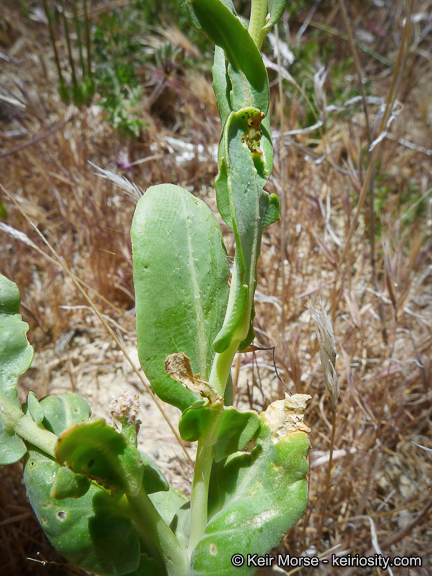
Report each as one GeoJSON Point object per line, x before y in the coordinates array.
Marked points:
{"type": "Point", "coordinates": [61, 515]}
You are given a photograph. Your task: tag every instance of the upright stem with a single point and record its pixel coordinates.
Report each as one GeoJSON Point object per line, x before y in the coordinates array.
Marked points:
{"type": "Point", "coordinates": [199, 496]}
{"type": "Point", "coordinates": [259, 13]}
{"type": "Point", "coordinates": [152, 526]}
{"type": "Point", "coordinates": [218, 380]}
{"type": "Point", "coordinates": [29, 431]}
{"type": "Point", "coordinates": [221, 368]}
{"type": "Point", "coordinates": [327, 488]}
{"type": "Point", "coordinates": [222, 362]}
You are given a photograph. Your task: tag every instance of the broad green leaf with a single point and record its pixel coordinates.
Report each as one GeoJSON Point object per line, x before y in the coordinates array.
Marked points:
{"type": "Point", "coordinates": [16, 356]}
{"type": "Point", "coordinates": [277, 8]}
{"type": "Point", "coordinates": [10, 298]}
{"type": "Point", "coordinates": [248, 74]}
{"type": "Point", "coordinates": [229, 4]}
{"type": "Point", "coordinates": [245, 156]}
{"type": "Point", "coordinates": [251, 210]}
{"type": "Point", "coordinates": [64, 410]}
{"type": "Point", "coordinates": [225, 427]}
{"type": "Point", "coordinates": [12, 448]}
{"type": "Point", "coordinates": [198, 420]}
{"type": "Point", "coordinates": [92, 531]}
{"type": "Point", "coordinates": [221, 85]}
{"type": "Point", "coordinates": [108, 526]}
{"type": "Point", "coordinates": [15, 352]}
{"type": "Point", "coordinates": [181, 285]}
{"type": "Point", "coordinates": [148, 566]}
{"type": "Point", "coordinates": [98, 451]}
{"type": "Point", "coordinates": [67, 484]}
{"type": "Point", "coordinates": [180, 524]}
{"type": "Point", "coordinates": [153, 479]}
{"type": "Point", "coordinates": [168, 503]}
{"type": "Point", "coordinates": [234, 431]}
{"type": "Point", "coordinates": [255, 498]}
{"type": "Point", "coordinates": [266, 146]}
{"type": "Point", "coordinates": [35, 408]}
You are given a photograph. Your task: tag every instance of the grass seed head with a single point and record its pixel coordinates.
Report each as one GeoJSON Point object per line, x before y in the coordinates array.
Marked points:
{"type": "Point", "coordinates": [327, 344]}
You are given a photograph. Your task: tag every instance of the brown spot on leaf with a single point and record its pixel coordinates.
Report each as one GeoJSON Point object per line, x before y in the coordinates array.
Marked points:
{"type": "Point", "coordinates": [178, 367]}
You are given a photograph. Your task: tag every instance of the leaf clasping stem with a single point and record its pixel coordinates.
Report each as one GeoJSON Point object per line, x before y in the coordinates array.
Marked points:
{"type": "Point", "coordinates": [25, 427]}
{"type": "Point", "coordinates": [199, 496]}
{"type": "Point", "coordinates": [152, 526]}
{"type": "Point", "coordinates": [259, 13]}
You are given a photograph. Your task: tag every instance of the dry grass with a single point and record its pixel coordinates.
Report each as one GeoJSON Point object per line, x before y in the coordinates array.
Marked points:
{"type": "Point", "coordinates": [377, 287]}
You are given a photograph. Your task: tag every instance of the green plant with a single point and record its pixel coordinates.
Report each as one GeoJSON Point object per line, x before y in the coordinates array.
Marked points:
{"type": "Point", "coordinates": [80, 90]}
{"type": "Point", "coordinates": [117, 48]}
{"type": "Point", "coordinates": [101, 61]}
{"type": "Point", "coordinates": [104, 504]}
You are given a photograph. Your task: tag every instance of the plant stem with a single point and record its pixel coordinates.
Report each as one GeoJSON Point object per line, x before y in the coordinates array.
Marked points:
{"type": "Point", "coordinates": [222, 362]}
{"type": "Point", "coordinates": [28, 430]}
{"type": "Point", "coordinates": [199, 496]}
{"type": "Point", "coordinates": [327, 489]}
{"type": "Point", "coordinates": [259, 13]}
{"type": "Point", "coordinates": [151, 526]}
{"type": "Point", "coordinates": [88, 40]}
{"type": "Point", "coordinates": [69, 48]}
{"type": "Point", "coordinates": [53, 42]}
{"type": "Point", "coordinates": [221, 368]}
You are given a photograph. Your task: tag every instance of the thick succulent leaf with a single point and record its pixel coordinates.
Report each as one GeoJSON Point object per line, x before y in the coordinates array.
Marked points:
{"type": "Point", "coordinates": [67, 484]}
{"type": "Point", "coordinates": [98, 451]}
{"type": "Point", "coordinates": [248, 71]}
{"type": "Point", "coordinates": [180, 524]}
{"type": "Point", "coordinates": [250, 204]}
{"type": "Point", "coordinates": [221, 85]}
{"type": "Point", "coordinates": [16, 356]}
{"type": "Point", "coordinates": [153, 478]}
{"type": "Point", "coordinates": [235, 429]}
{"type": "Point", "coordinates": [255, 498]}
{"type": "Point", "coordinates": [229, 4]}
{"type": "Point", "coordinates": [168, 503]}
{"type": "Point", "coordinates": [35, 408]}
{"type": "Point", "coordinates": [107, 527]}
{"type": "Point", "coordinates": [15, 352]}
{"type": "Point", "coordinates": [67, 409]}
{"type": "Point", "coordinates": [245, 154]}
{"type": "Point", "coordinates": [148, 566]}
{"type": "Point", "coordinates": [10, 298]}
{"type": "Point", "coordinates": [239, 185]}
{"type": "Point", "coordinates": [181, 285]}
{"type": "Point", "coordinates": [198, 420]}
{"type": "Point", "coordinates": [91, 531]}
{"type": "Point", "coordinates": [12, 447]}
{"type": "Point", "coordinates": [225, 427]}
{"type": "Point", "coordinates": [64, 410]}
{"type": "Point", "coordinates": [266, 146]}
{"type": "Point", "coordinates": [277, 8]}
